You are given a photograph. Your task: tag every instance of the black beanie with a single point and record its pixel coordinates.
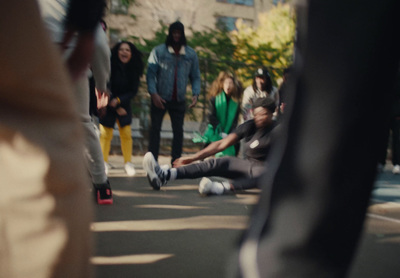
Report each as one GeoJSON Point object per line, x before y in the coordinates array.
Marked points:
{"type": "Point", "coordinates": [177, 25]}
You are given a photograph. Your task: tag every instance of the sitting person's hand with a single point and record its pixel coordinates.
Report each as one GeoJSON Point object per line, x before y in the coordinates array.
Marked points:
{"type": "Point", "coordinates": [182, 161]}
{"type": "Point", "coordinates": [121, 111]}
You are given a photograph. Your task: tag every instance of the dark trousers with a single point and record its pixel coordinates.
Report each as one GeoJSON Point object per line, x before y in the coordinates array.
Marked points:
{"type": "Point", "coordinates": [315, 194]}
{"type": "Point", "coordinates": [240, 170]}
{"type": "Point", "coordinates": [176, 111]}
{"type": "Point", "coordinates": [393, 131]}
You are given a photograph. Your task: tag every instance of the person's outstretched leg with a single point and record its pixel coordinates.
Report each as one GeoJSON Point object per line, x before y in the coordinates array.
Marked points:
{"type": "Point", "coordinates": [157, 177]}
{"type": "Point", "coordinates": [227, 167]}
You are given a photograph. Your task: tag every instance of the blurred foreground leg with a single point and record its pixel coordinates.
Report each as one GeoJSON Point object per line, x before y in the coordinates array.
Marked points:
{"type": "Point", "coordinates": [324, 167]}
{"type": "Point", "coordinates": [44, 205]}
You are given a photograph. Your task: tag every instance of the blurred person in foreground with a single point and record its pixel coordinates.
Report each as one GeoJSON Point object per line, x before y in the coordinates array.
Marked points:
{"type": "Point", "coordinates": [44, 207]}
{"type": "Point", "coordinates": [321, 171]}
{"type": "Point", "coordinates": [54, 14]}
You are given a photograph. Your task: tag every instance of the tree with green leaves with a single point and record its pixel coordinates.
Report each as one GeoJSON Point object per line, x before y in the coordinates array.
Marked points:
{"type": "Point", "coordinates": [269, 44]}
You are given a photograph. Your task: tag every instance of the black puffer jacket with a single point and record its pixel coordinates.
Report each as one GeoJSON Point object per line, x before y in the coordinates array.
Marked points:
{"type": "Point", "coordinates": [124, 84]}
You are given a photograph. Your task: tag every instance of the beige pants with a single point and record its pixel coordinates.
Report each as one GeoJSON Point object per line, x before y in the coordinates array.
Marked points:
{"type": "Point", "coordinates": [44, 205]}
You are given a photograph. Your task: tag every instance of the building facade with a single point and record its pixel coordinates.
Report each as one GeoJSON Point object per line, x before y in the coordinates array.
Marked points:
{"type": "Point", "coordinates": [141, 19]}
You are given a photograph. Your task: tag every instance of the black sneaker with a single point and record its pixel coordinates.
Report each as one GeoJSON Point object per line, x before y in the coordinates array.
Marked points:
{"type": "Point", "coordinates": [103, 193]}
{"type": "Point", "coordinates": [155, 174]}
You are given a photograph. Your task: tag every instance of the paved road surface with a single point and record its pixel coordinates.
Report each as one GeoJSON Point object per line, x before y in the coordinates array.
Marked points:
{"type": "Point", "coordinates": [176, 233]}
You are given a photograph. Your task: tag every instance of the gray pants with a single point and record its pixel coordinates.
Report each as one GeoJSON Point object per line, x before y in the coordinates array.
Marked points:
{"type": "Point", "coordinates": [243, 172]}
{"type": "Point", "coordinates": [93, 153]}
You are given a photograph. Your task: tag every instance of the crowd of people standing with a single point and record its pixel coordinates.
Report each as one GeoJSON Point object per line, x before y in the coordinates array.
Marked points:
{"type": "Point", "coordinates": [171, 67]}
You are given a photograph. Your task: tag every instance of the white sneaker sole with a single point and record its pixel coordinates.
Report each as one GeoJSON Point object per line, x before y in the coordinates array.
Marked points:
{"type": "Point", "coordinates": [205, 186]}
{"type": "Point", "coordinates": [149, 164]}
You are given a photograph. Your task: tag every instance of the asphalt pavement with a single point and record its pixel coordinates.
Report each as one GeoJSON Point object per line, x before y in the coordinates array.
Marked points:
{"type": "Point", "coordinates": [176, 233]}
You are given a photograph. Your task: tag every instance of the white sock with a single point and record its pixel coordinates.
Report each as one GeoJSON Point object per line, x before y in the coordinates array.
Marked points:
{"type": "Point", "coordinates": [172, 174]}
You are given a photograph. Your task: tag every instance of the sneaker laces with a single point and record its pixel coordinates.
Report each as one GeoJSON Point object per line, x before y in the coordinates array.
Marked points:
{"type": "Point", "coordinates": [162, 174]}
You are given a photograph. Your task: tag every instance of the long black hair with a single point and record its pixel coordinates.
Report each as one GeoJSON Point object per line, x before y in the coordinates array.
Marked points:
{"type": "Point", "coordinates": [135, 64]}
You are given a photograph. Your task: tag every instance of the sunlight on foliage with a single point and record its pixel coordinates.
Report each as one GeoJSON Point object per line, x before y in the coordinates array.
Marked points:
{"type": "Point", "coordinates": [271, 43]}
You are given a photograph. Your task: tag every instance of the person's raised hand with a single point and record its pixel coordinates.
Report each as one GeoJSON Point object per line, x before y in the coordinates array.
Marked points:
{"type": "Point", "coordinates": [121, 111]}
{"type": "Point", "coordinates": [102, 98]}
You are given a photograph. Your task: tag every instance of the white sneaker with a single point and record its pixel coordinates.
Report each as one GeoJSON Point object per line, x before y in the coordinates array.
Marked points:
{"type": "Point", "coordinates": [107, 167]}
{"type": "Point", "coordinates": [130, 169]}
{"type": "Point", "coordinates": [205, 186]}
{"type": "Point", "coordinates": [396, 169]}
{"type": "Point", "coordinates": [208, 187]}
{"type": "Point", "coordinates": [155, 175]}
{"type": "Point", "coordinates": [165, 167]}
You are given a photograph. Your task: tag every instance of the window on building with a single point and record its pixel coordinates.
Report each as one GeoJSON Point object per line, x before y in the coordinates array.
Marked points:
{"type": "Point", "coordinates": [238, 2]}
{"type": "Point", "coordinates": [118, 7]}
{"type": "Point", "coordinates": [227, 23]}
{"type": "Point", "coordinates": [275, 2]}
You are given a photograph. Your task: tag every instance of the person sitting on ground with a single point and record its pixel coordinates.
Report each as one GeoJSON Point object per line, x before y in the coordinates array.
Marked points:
{"type": "Point", "coordinates": [257, 136]}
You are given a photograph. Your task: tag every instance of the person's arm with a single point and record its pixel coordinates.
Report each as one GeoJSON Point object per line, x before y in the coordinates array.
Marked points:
{"type": "Point", "coordinates": [100, 63]}
{"type": "Point", "coordinates": [246, 103]}
{"type": "Point", "coordinates": [212, 116]}
{"type": "Point", "coordinates": [151, 78]}
{"type": "Point", "coordinates": [210, 150]}
{"type": "Point", "coordinates": [82, 17]}
{"type": "Point", "coordinates": [195, 80]}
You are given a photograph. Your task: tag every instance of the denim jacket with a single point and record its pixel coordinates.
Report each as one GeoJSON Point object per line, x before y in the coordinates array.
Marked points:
{"type": "Point", "coordinates": [161, 71]}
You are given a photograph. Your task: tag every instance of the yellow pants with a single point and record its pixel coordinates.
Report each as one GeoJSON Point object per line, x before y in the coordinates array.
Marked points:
{"type": "Point", "coordinates": [106, 135]}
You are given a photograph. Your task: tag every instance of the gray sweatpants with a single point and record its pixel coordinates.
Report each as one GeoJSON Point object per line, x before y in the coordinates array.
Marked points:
{"type": "Point", "coordinates": [243, 172]}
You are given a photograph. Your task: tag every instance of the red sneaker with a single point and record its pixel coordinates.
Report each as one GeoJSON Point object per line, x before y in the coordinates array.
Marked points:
{"type": "Point", "coordinates": [103, 193]}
